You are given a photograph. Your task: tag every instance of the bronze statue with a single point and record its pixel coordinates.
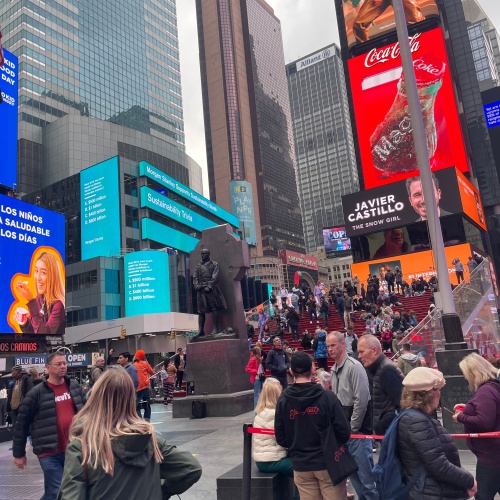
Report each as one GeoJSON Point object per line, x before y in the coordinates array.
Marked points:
{"type": "Point", "coordinates": [209, 297]}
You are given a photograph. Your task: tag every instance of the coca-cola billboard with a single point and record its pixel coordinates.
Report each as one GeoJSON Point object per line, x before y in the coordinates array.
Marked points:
{"type": "Point", "coordinates": [298, 259]}
{"type": "Point", "coordinates": [368, 19]}
{"type": "Point", "coordinates": [382, 116]}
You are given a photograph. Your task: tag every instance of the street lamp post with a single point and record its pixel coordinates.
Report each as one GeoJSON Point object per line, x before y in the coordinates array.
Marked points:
{"type": "Point", "coordinates": [451, 321]}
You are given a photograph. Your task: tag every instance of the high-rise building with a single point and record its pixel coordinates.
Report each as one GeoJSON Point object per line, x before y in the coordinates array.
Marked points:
{"type": "Point", "coordinates": [248, 125]}
{"type": "Point", "coordinates": [485, 44]}
{"type": "Point", "coordinates": [324, 145]}
{"type": "Point", "coordinates": [116, 61]}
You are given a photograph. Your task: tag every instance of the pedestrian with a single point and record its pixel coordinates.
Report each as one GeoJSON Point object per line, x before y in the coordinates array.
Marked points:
{"type": "Point", "coordinates": [292, 319]}
{"type": "Point", "coordinates": [144, 370]}
{"type": "Point", "coordinates": [349, 382]}
{"type": "Point", "coordinates": [340, 306]}
{"type": "Point", "coordinates": [97, 370]}
{"type": "Point", "coordinates": [168, 382]}
{"type": "Point", "coordinates": [348, 309]}
{"type": "Point", "coordinates": [115, 454]}
{"type": "Point", "coordinates": [305, 411]}
{"type": "Point", "coordinates": [324, 310]}
{"type": "Point", "coordinates": [278, 363]}
{"type": "Point", "coordinates": [319, 348]}
{"type": "Point", "coordinates": [283, 296]}
{"type": "Point", "coordinates": [23, 383]}
{"type": "Point", "coordinates": [250, 332]}
{"type": "Point", "coordinates": [306, 341]}
{"type": "Point", "coordinates": [386, 386]}
{"type": "Point", "coordinates": [255, 368]}
{"type": "Point", "coordinates": [312, 306]}
{"type": "Point", "coordinates": [471, 264]}
{"type": "Point", "coordinates": [423, 442]}
{"type": "Point", "coordinates": [408, 361]}
{"type": "Point", "coordinates": [351, 342]}
{"type": "Point", "coordinates": [46, 413]}
{"type": "Point", "coordinates": [3, 406]}
{"type": "Point", "coordinates": [459, 269]}
{"type": "Point", "coordinates": [261, 323]}
{"type": "Point", "coordinates": [268, 455]}
{"type": "Point", "coordinates": [398, 279]}
{"type": "Point", "coordinates": [123, 360]}
{"type": "Point", "coordinates": [482, 414]}
{"type": "Point", "coordinates": [180, 365]}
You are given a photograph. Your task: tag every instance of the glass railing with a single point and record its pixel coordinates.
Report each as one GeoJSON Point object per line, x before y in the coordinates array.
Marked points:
{"type": "Point", "coordinates": [475, 304]}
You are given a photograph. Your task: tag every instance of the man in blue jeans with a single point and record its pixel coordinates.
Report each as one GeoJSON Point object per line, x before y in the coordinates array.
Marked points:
{"type": "Point", "coordinates": [47, 411]}
{"type": "Point", "coordinates": [350, 384]}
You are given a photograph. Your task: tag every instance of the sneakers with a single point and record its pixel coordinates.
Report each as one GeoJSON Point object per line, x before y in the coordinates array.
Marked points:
{"type": "Point", "coordinates": [310, 322]}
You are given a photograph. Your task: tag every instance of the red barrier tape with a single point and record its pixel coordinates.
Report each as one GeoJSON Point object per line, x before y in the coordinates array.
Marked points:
{"type": "Point", "coordinates": [482, 435]}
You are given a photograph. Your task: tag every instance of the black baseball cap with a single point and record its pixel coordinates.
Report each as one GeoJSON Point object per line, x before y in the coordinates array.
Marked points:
{"type": "Point", "coordinates": [301, 362]}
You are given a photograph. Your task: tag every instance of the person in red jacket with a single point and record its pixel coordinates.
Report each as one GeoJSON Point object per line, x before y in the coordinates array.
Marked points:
{"type": "Point", "coordinates": [144, 370]}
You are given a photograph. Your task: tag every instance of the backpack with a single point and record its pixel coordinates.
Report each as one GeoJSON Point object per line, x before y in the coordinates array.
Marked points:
{"type": "Point", "coordinates": [388, 472]}
{"type": "Point", "coordinates": [198, 409]}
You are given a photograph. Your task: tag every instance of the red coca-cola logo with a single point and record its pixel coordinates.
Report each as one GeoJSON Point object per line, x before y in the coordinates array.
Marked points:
{"type": "Point", "coordinates": [385, 54]}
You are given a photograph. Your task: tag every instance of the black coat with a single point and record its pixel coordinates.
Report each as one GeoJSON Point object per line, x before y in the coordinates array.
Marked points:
{"type": "Point", "coordinates": [422, 440]}
{"type": "Point", "coordinates": [38, 412]}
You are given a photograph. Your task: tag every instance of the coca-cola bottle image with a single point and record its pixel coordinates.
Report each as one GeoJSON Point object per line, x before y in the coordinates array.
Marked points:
{"type": "Point", "coordinates": [393, 149]}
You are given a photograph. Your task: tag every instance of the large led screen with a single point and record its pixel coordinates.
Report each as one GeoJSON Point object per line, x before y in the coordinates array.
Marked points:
{"type": "Point", "coordinates": [336, 241]}
{"type": "Point", "coordinates": [382, 117]}
{"type": "Point", "coordinates": [32, 275]}
{"type": "Point", "coordinates": [8, 120]}
{"type": "Point", "coordinates": [242, 206]}
{"type": "Point", "coordinates": [100, 210]}
{"type": "Point", "coordinates": [368, 19]}
{"type": "Point", "coordinates": [147, 283]}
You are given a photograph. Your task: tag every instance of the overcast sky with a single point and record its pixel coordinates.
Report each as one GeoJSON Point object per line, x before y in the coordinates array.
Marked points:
{"type": "Point", "coordinates": [307, 26]}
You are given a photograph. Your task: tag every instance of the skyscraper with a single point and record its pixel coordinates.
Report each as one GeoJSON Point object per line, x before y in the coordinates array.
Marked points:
{"type": "Point", "coordinates": [116, 61]}
{"type": "Point", "coordinates": [248, 125]}
{"type": "Point", "coordinates": [323, 140]}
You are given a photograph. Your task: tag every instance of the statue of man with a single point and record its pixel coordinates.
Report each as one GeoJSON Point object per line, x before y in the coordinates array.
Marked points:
{"type": "Point", "coordinates": [209, 296]}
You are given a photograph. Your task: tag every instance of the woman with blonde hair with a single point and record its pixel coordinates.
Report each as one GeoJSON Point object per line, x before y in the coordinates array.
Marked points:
{"type": "Point", "coordinates": [114, 454]}
{"type": "Point", "coordinates": [424, 446]}
{"type": "Point", "coordinates": [269, 456]}
{"type": "Point", "coordinates": [482, 414]}
{"type": "Point", "coordinates": [46, 309]}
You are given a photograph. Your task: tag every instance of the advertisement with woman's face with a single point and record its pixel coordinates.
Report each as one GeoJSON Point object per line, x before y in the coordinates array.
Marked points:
{"type": "Point", "coordinates": [32, 243]}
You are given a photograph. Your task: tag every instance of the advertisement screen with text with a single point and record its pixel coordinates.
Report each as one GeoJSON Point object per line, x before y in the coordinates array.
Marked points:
{"type": "Point", "coordinates": [368, 19]}
{"type": "Point", "coordinates": [381, 110]}
{"type": "Point", "coordinates": [336, 241]}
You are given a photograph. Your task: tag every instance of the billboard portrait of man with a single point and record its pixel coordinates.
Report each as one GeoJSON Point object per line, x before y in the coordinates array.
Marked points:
{"type": "Point", "coordinates": [416, 197]}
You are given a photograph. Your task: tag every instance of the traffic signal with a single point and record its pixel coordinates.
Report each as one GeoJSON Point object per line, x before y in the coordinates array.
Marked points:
{"type": "Point", "coordinates": [123, 333]}
{"type": "Point", "coordinates": [172, 335]}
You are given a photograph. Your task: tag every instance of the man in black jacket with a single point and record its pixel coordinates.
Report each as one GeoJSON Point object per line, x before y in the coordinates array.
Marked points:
{"type": "Point", "coordinates": [23, 383]}
{"type": "Point", "coordinates": [278, 363]}
{"type": "Point", "coordinates": [47, 410]}
{"type": "Point", "coordinates": [303, 411]}
{"type": "Point", "coordinates": [180, 365]}
{"type": "Point", "coordinates": [386, 382]}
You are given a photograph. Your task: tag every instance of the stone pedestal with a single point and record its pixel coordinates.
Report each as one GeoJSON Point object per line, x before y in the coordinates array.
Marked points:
{"type": "Point", "coordinates": [456, 389]}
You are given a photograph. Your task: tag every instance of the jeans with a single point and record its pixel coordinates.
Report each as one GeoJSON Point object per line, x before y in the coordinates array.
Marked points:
{"type": "Point", "coordinates": [311, 314]}
{"type": "Point", "coordinates": [142, 398]}
{"type": "Point", "coordinates": [178, 378]}
{"type": "Point", "coordinates": [488, 481]}
{"type": "Point", "coordinates": [295, 332]}
{"type": "Point", "coordinates": [324, 315]}
{"type": "Point", "coordinates": [52, 467]}
{"type": "Point", "coordinates": [257, 388]}
{"type": "Point", "coordinates": [363, 480]}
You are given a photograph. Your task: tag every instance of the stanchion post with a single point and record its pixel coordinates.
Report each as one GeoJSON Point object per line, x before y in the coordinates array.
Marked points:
{"type": "Point", "coordinates": [247, 462]}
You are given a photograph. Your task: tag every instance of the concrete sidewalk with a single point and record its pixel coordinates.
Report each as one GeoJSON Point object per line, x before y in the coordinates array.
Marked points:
{"type": "Point", "coordinates": [216, 442]}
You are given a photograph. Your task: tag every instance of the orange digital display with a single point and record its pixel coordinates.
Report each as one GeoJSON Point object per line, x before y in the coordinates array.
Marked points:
{"type": "Point", "coordinates": [471, 201]}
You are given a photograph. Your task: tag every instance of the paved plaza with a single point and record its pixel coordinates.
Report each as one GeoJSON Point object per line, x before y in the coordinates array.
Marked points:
{"type": "Point", "coordinates": [216, 442]}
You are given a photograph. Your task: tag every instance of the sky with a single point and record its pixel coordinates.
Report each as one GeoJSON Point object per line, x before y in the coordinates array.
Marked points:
{"type": "Point", "coordinates": [307, 25]}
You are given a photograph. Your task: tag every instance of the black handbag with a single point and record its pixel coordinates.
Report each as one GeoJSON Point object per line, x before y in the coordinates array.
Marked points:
{"type": "Point", "coordinates": [339, 462]}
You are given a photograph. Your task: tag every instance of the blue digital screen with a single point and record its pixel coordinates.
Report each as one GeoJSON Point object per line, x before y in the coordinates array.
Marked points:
{"type": "Point", "coordinates": [492, 114]}
{"type": "Point", "coordinates": [8, 120]}
{"type": "Point", "coordinates": [100, 210]}
{"type": "Point", "coordinates": [152, 230]}
{"type": "Point", "coordinates": [147, 283]}
{"type": "Point", "coordinates": [32, 274]}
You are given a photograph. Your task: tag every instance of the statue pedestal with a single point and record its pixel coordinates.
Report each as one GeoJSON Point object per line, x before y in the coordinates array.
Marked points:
{"type": "Point", "coordinates": [218, 369]}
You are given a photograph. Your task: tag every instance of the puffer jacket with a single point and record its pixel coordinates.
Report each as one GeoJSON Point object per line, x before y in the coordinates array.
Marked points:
{"type": "Point", "coordinates": [136, 473]}
{"type": "Point", "coordinates": [265, 447]}
{"type": "Point", "coordinates": [38, 411]}
{"type": "Point", "coordinates": [423, 441]}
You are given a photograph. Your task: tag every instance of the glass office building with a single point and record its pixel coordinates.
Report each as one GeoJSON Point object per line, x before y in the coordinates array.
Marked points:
{"type": "Point", "coordinates": [117, 61]}
{"type": "Point", "coordinates": [248, 124]}
{"type": "Point", "coordinates": [323, 140]}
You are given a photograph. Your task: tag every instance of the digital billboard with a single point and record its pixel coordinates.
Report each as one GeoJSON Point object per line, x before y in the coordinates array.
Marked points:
{"type": "Point", "coordinates": [32, 275]}
{"type": "Point", "coordinates": [492, 114]}
{"type": "Point", "coordinates": [147, 283]}
{"type": "Point", "coordinates": [153, 230]}
{"type": "Point", "coordinates": [242, 207]}
{"type": "Point", "coordinates": [8, 119]}
{"type": "Point", "coordinates": [336, 240]}
{"type": "Point", "coordinates": [381, 110]}
{"type": "Point", "coordinates": [368, 19]}
{"type": "Point", "coordinates": [414, 265]}
{"type": "Point", "coordinates": [147, 170]}
{"type": "Point", "coordinates": [100, 210]}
